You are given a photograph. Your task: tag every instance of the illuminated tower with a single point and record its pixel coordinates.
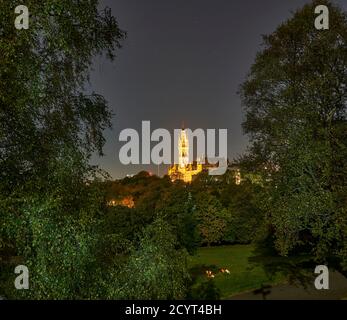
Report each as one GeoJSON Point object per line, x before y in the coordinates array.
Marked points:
{"type": "Point", "coordinates": [183, 149]}
{"type": "Point", "coordinates": [184, 170]}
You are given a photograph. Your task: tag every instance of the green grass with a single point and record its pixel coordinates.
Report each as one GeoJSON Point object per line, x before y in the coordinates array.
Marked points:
{"type": "Point", "coordinates": [243, 276]}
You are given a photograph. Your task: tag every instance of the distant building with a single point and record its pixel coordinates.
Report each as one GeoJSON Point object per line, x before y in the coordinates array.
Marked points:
{"type": "Point", "coordinates": [184, 170]}
{"type": "Point", "coordinates": [125, 202]}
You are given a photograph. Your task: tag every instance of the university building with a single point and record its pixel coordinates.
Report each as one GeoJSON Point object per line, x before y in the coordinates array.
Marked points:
{"type": "Point", "coordinates": [185, 170]}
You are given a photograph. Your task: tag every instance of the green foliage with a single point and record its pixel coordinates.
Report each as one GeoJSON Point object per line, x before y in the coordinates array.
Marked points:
{"type": "Point", "coordinates": [155, 270]}
{"type": "Point", "coordinates": [295, 103]}
{"type": "Point", "coordinates": [204, 290]}
{"type": "Point", "coordinates": [178, 208]}
{"type": "Point", "coordinates": [189, 209]}
{"type": "Point", "coordinates": [237, 204]}
{"type": "Point", "coordinates": [50, 212]}
{"type": "Point", "coordinates": [59, 249]}
{"type": "Point", "coordinates": [244, 215]}
{"type": "Point", "coordinates": [155, 196]}
{"type": "Point", "coordinates": [212, 219]}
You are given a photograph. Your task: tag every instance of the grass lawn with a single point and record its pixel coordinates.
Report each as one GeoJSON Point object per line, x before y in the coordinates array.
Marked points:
{"type": "Point", "coordinates": [243, 276]}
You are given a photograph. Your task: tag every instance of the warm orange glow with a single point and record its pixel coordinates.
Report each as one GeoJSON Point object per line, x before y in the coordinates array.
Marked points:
{"type": "Point", "coordinates": [125, 202]}
{"type": "Point", "coordinates": [184, 170]}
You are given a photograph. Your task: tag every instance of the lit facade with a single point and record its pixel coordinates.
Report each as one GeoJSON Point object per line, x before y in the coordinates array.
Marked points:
{"type": "Point", "coordinates": [125, 202]}
{"type": "Point", "coordinates": [184, 170]}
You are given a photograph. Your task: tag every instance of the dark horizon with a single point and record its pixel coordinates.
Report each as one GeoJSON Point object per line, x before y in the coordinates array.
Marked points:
{"type": "Point", "coordinates": [182, 61]}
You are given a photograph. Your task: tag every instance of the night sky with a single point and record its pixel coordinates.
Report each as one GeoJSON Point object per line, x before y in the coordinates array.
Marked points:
{"type": "Point", "coordinates": [183, 60]}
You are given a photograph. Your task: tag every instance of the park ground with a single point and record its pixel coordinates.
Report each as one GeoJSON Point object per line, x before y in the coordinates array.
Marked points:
{"type": "Point", "coordinates": [247, 281]}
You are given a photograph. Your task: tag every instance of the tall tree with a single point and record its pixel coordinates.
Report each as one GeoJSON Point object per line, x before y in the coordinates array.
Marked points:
{"type": "Point", "coordinates": [295, 102]}
{"type": "Point", "coordinates": [49, 126]}
{"type": "Point", "coordinates": [212, 219]}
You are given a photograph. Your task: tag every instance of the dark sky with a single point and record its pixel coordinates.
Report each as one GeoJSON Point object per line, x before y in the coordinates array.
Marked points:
{"type": "Point", "coordinates": [183, 60]}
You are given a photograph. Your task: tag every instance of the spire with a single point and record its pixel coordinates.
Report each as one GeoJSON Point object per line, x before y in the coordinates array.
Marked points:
{"type": "Point", "coordinates": [183, 126]}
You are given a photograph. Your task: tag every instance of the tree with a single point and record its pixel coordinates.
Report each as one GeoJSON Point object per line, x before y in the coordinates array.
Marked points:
{"type": "Point", "coordinates": [178, 208]}
{"type": "Point", "coordinates": [155, 270]}
{"type": "Point", "coordinates": [212, 219]}
{"type": "Point", "coordinates": [295, 104]}
{"type": "Point", "coordinates": [49, 127]}
{"type": "Point", "coordinates": [244, 214]}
